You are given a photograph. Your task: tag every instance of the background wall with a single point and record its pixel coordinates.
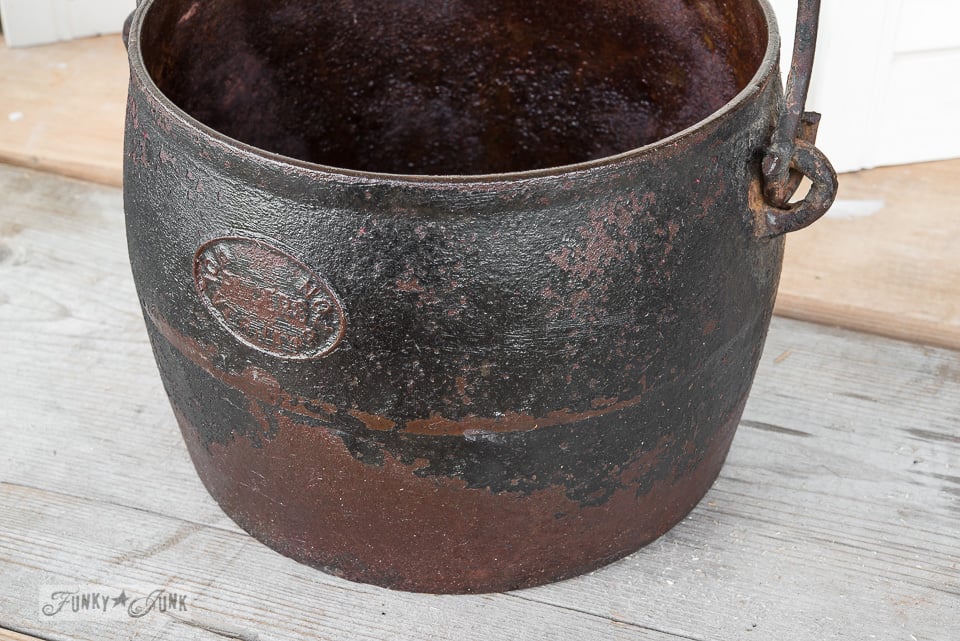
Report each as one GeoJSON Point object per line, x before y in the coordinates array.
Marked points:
{"type": "Point", "coordinates": [29, 22]}
{"type": "Point", "coordinates": [885, 79]}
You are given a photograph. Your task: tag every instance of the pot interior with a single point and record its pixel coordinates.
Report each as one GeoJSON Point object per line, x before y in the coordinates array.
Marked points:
{"type": "Point", "coordinates": [451, 86]}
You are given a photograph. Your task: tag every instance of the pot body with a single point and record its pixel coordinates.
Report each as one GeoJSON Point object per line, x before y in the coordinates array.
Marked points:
{"type": "Point", "coordinates": [454, 385]}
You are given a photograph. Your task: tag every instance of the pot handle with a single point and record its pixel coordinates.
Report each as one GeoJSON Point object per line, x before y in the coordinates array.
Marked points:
{"type": "Point", "coordinates": [125, 33]}
{"type": "Point", "coordinates": [791, 154]}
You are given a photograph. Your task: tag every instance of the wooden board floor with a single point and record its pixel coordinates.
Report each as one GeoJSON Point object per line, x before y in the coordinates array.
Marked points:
{"type": "Point", "coordinates": [881, 262]}
{"type": "Point", "coordinates": [884, 260]}
{"type": "Point", "coordinates": [837, 515]}
{"type": "Point", "coordinates": [62, 107]}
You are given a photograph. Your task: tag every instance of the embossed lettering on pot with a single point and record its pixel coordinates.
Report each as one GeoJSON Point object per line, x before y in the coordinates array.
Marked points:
{"type": "Point", "coordinates": [267, 299]}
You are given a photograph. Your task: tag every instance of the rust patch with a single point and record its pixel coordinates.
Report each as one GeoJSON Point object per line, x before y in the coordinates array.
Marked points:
{"type": "Point", "coordinates": [409, 283]}
{"type": "Point", "coordinates": [461, 382]}
{"type": "Point", "coordinates": [306, 496]}
{"type": "Point", "coordinates": [372, 421]}
{"type": "Point", "coordinates": [602, 402]}
{"type": "Point", "coordinates": [438, 425]}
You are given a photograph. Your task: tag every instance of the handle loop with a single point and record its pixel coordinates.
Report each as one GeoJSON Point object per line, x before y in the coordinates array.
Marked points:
{"type": "Point", "coordinates": [125, 32]}
{"type": "Point", "coordinates": [791, 154]}
{"type": "Point", "coordinates": [808, 161]}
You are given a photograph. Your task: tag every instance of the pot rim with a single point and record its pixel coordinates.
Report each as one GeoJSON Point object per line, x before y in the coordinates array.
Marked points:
{"type": "Point", "coordinates": [139, 70]}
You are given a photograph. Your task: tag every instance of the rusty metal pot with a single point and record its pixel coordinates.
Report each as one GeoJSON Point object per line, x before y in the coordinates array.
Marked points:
{"type": "Point", "coordinates": [462, 296]}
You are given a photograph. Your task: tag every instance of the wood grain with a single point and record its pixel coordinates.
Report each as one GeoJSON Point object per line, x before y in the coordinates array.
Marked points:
{"type": "Point", "coordinates": [237, 587]}
{"type": "Point", "coordinates": [62, 107]}
{"type": "Point", "coordinates": [895, 272]}
{"type": "Point", "coordinates": [837, 515]}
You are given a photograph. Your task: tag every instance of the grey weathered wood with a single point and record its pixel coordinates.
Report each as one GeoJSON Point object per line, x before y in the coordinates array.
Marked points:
{"type": "Point", "coordinates": [234, 582]}
{"type": "Point", "coordinates": [836, 517]}
{"type": "Point", "coordinates": [837, 514]}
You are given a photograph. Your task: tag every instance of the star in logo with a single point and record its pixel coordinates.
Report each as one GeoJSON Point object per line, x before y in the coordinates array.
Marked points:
{"type": "Point", "coordinates": [121, 600]}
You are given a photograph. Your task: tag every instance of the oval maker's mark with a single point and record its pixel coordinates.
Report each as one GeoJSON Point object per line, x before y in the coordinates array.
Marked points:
{"type": "Point", "coordinates": [268, 299]}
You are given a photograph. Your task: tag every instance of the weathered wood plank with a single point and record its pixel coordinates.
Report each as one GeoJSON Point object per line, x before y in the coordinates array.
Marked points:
{"type": "Point", "coordinates": [75, 366]}
{"type": "Point", "coordinates": [837, 515]}
{"type": "Point", "coordinates": [62, 107]}
{"type": "Point", "coordinates": [236, 586]}
{"type": "Point", "coordinates": [884, 260]}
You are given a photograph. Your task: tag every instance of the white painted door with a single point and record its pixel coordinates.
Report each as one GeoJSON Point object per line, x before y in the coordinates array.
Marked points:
{"type": "Point", "coordinates": [886, 78]}
{"type": "Point", "coordinates": [31, 22]}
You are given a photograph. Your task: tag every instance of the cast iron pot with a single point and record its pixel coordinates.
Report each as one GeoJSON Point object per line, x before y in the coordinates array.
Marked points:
{"type": "Point", "coordinates": [462, 296]}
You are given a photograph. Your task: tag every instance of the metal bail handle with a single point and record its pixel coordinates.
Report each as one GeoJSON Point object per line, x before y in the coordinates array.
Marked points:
{"type": "Point", "coordinates": [792, 154]}
{"type": "Point", "coordinates": [125, 33]}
